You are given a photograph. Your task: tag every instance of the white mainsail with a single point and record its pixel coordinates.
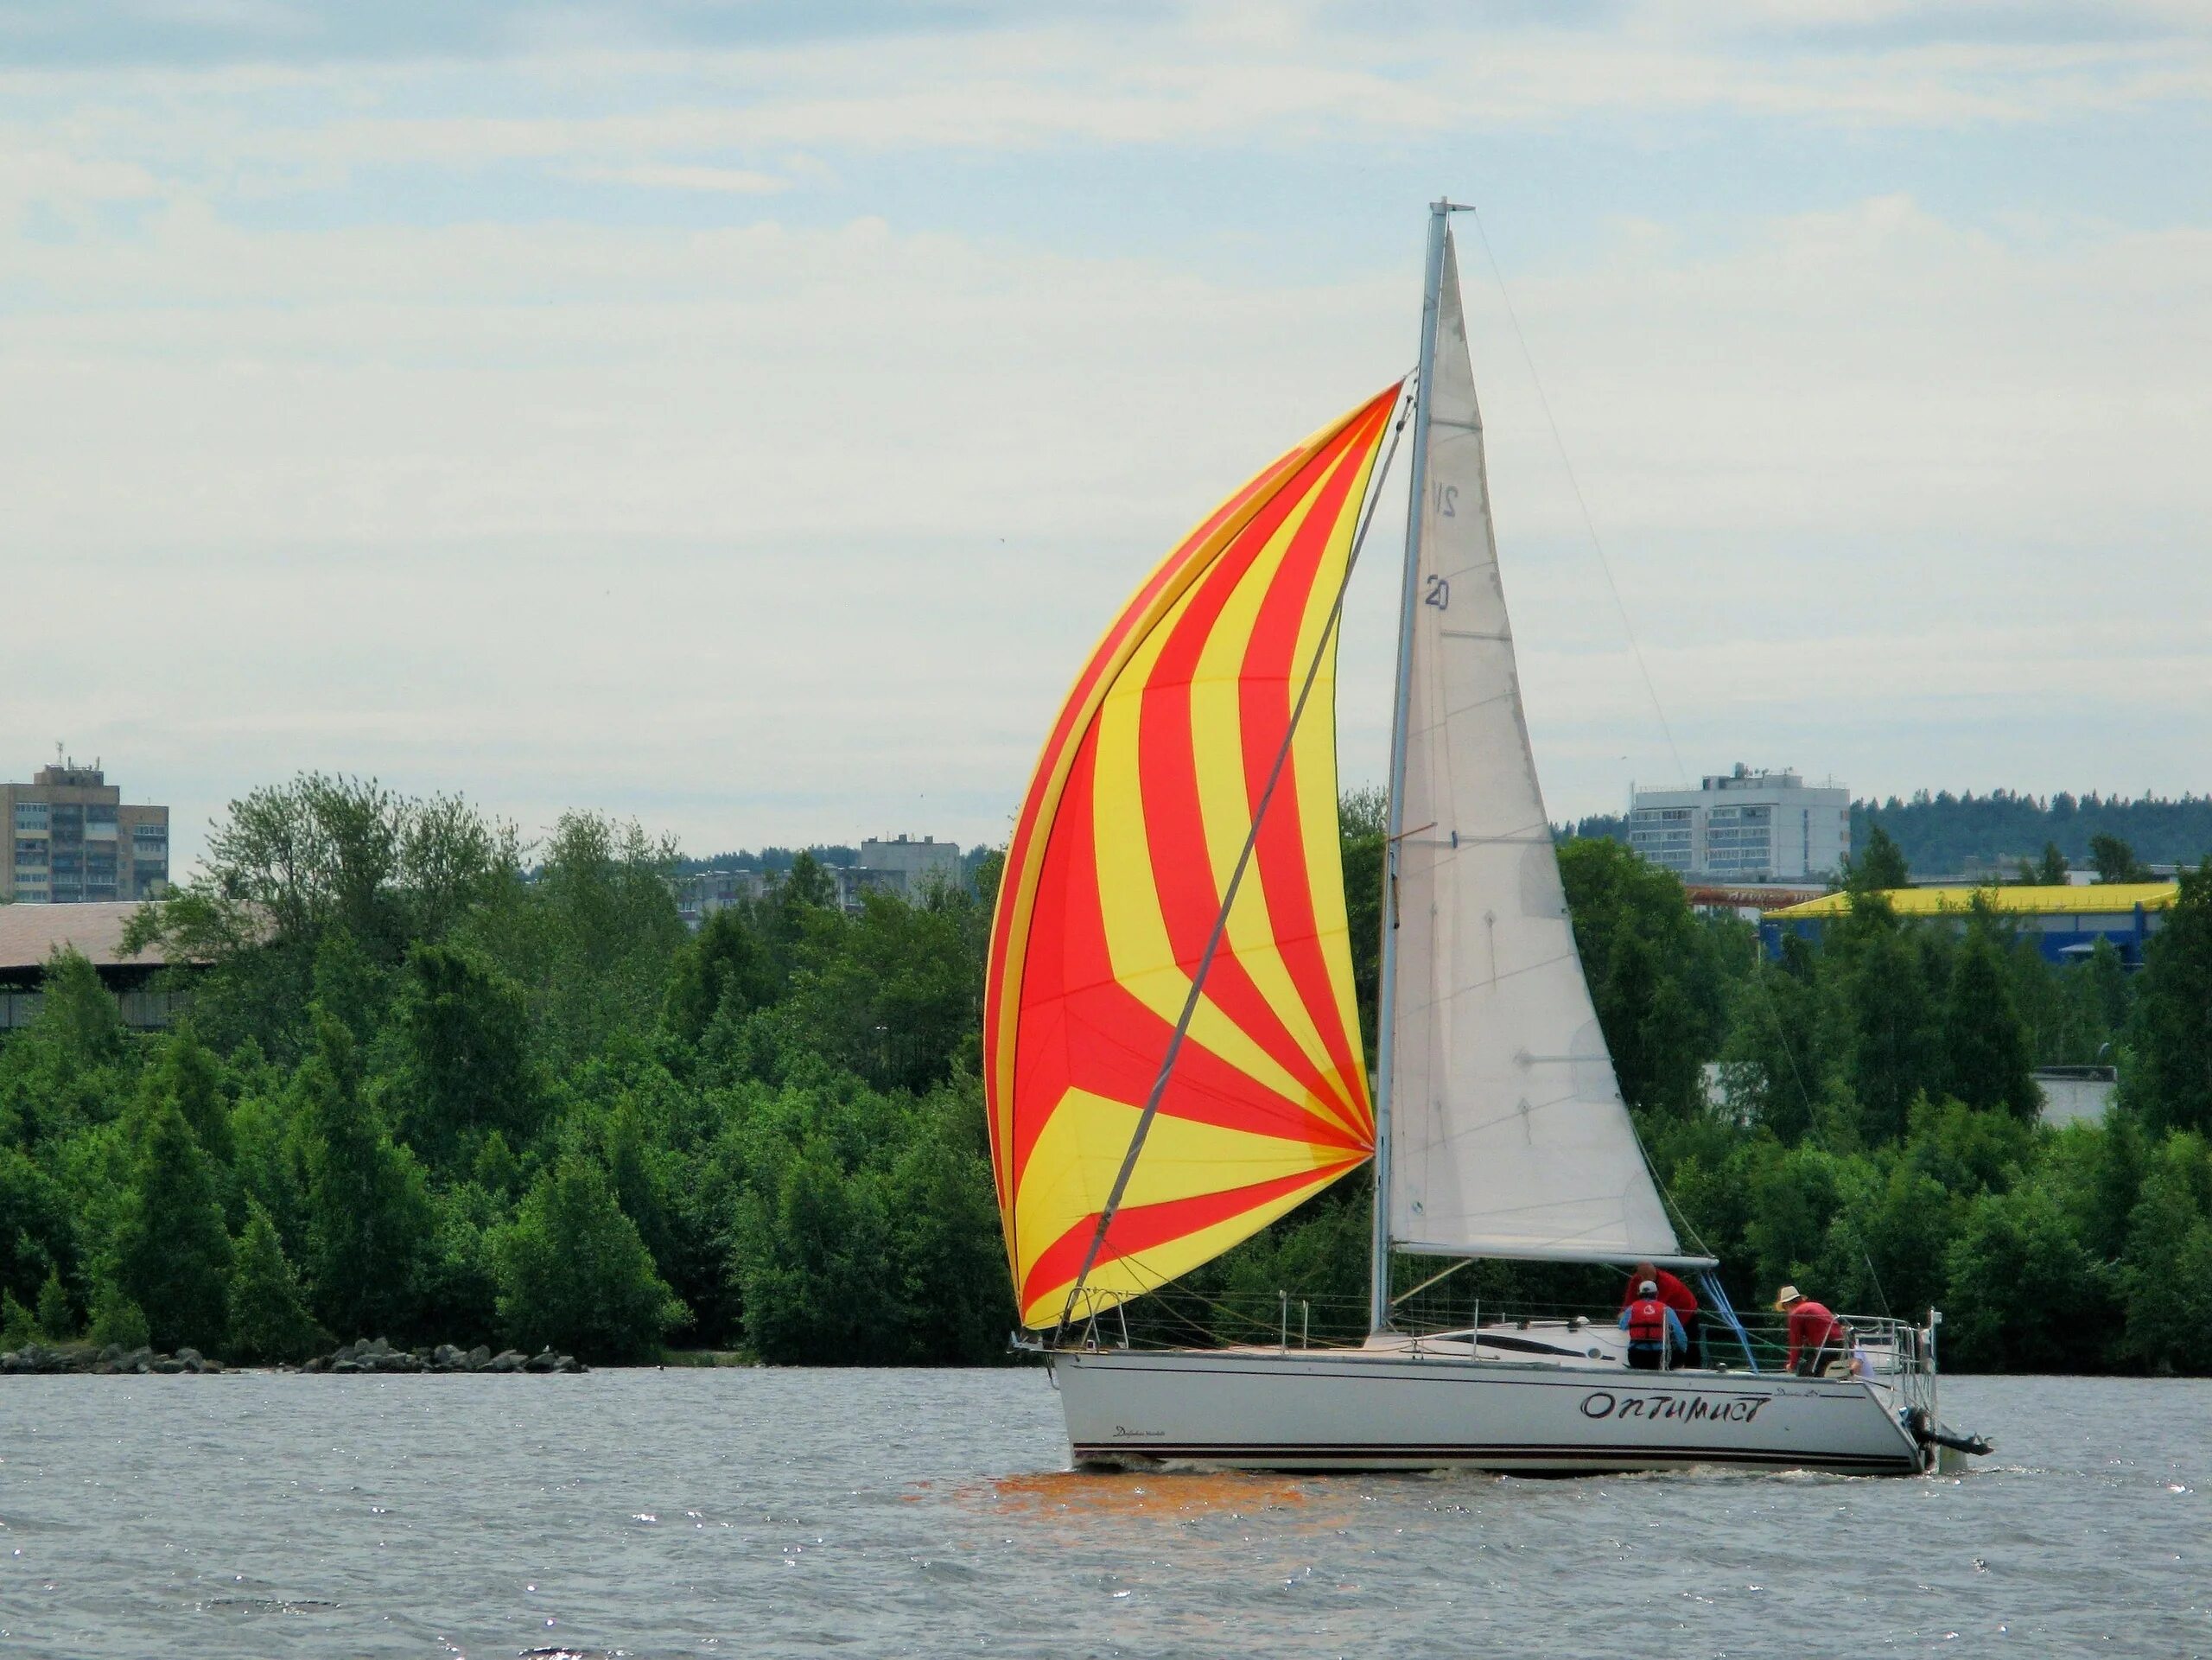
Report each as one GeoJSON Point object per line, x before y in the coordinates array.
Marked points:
{"type": "Point", "coordinates": [1507, 1136]}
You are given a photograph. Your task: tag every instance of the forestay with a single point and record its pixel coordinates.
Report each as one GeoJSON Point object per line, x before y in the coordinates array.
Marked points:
{"type": "Point", "coordinates": [1508, 1134]}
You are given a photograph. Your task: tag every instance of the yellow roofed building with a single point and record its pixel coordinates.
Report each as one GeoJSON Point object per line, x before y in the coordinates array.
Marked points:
{"type": "Point", "coordinates": [2065, 923]}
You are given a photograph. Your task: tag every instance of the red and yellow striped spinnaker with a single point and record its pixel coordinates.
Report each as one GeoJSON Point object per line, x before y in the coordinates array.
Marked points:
{"type": "Point", "coordinates": [1132, 824]}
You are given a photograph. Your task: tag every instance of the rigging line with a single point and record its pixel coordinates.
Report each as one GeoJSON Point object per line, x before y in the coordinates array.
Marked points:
{"type": "Point", "coordinates": [1404, 1296]}
{"type": "Point", "coordinates": [1589, 523]}
{"type": "Point", "coordinates": [1667, 1198]}
{"type": "Point", "coordinates": [1236, 880]}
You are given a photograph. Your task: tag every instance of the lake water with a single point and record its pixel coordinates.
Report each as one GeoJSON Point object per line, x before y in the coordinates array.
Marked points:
{"type": "Point", "coordinates": [791, 1512]}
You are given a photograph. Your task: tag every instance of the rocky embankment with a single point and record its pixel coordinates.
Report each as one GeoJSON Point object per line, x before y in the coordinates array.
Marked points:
{"type": "Point", "coordinates": [52, 1357]}
{"type": "Point", "coordinates": [379, 1356]}
{"type": "Point", "coordinates": [369, 1355]}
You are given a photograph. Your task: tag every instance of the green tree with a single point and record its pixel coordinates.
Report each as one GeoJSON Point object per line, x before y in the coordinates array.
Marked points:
{"type": "Point", "coordinates": [2168, 1297]}
{"type": "Point", "coordinates": [459, 1043]}
{"type": "Point", "coordinates": [813, 1256]}
{"type": "Point", "coordinates": [18, 1326]}
{"type": "Point", "coordinates": [56, 1319]}
{"type": "Point", "coordinates": [807, 884]}
{"type": "Point", "coordinates": [1653, 971]}
{"type": "Point", "coordinates": [351, 983]}
{"type": "Point", "coordinates": [1985, 1060]}
{"type": "Point", "coordinates": [954, 1305]}
{"type": "Point", "coordinates": [1877, 866]}
{"type": "Point", "coordinates": [1794, 1197]}
{"type": "Point", "coordinates": [37, 1229]}
{"type": "Point", "coordinates": [459, 1278]}
{"type": "Point", "coordinates": [117, 1321]}
{"type": "Point", "coordinates": [574, 1275]}
{"type": "Point", "coordinates": [1894, 1044]}
{"type": "Point", "coordinates": [368, 1208]}
{"type": "Point", "coordinates": [2173, 1039]}
{"type": "Point", "coordinates": [77, 1015]}
{"type": "Point", "coordinates": [1777, 1058]}
{"type": "Point", "coordinates": [591, 940]}
{"type": "Point", "coordinates": [2050, 871]}
{"type": "Point", "coordinates": [2024, 1295]}
{"type": "Point", "coordinates": [1651, 1029]}
{"type": "Point", "coordinates": [1967, 1150]}
{"type": "Point", "coordinates": [726, 966]}
{"type": "Point", "coordinates": [1908, 1233]}
{"type": "Point", "coordinates": [2104, 981]}
{"type": "Point", "coordinates": [268, 1316]}
{"type": "Point", "coordinates": [193, 1078]}
{"type": "Point", "coordinates": [890, 994]}
{"type": "Point", "coordinates": [270, 1168]}
{"type": "Point", "coordinates": [172, 1250]}
{"type": "Point", "coordinates": [289, 865]}
{"type": "Point", "coordinates": [2116, 861]}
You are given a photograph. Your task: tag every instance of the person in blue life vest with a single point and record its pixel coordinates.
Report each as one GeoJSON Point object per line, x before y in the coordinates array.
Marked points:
{"type": "Point", "coordinates": [1656, 1338]}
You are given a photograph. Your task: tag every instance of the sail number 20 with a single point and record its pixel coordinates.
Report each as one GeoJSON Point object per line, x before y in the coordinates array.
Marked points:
{"type": "Point", "coordinates": [1438, 594]}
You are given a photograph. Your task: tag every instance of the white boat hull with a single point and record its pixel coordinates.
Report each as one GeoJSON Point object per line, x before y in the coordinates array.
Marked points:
{"type": "Point", "coordinates": [1398, 1408]}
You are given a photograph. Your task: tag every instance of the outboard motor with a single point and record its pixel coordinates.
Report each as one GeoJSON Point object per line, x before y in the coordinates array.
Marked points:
{"type": "Point", "coordinates": [1928, 1432]}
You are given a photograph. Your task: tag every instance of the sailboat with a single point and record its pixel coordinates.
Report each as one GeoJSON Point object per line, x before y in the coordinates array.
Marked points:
{"type": "Point", "coordinates": [1173, 1052]}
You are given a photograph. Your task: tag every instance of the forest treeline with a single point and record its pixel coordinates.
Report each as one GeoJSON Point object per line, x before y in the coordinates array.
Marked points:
{"type": "Point", "coordinates": [439, 1087]}
{"type": "Point", "coordinates": [429, 1092]}
{"type": "Point", "coordinates": [1944, 834]}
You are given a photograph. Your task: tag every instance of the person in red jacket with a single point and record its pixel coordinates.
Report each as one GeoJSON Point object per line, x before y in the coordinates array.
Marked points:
{"type": "Point", "coordinates": [1817, 1338]}
{"type": "Point", "coordinates": [1672, 1292]}
{"type": "Point", "coordinates": [1654, 1336]}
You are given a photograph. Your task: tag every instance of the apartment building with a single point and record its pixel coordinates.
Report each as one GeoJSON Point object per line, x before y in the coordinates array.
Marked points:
{"type": "Point", "coordinates": [71, 840]}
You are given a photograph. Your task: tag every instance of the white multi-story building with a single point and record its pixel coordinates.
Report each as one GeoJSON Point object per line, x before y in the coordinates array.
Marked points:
{"type": "Point", "coordinates": [908, 866]}
{"type": "Point", "coordinates": [1743, 826]}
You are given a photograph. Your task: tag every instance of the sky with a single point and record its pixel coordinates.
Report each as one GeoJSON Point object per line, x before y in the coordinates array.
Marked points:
{"type": "Point", "coordinates": [743, 417]}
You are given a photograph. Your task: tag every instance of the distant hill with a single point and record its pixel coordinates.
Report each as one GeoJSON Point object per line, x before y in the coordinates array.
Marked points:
{"type": "Point", "coordinates": [779, 859]}
{"type": "Point", "coordinates": [1942, 833]}
{"type": "Point", "coordinates": [825, 853]}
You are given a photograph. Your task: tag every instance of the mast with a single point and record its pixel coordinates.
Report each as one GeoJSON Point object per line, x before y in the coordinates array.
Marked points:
{"type": "Point", "coordinates": [1378, 1303]}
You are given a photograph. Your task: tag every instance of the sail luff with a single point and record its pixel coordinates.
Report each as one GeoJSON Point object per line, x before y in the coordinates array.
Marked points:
{"type": "Point", "coordinates": [1508, 1134]}
{"type": "Point", "coordinates": [1378, 1297]}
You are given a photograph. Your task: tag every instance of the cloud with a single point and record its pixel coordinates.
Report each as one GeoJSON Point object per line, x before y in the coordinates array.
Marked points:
{"type": "Point", "coordinates": [761, 526]}
{"type": "Point", "coordinates": [730, 181]}
{"type": "Point", "coordinates": [108, 34]}
{"type": "Point", "coordinates": [751, 427]}
{"type": "Point", "coordinates": [53, 178]}
{"type": "Point", "coordinates": [671, 81]}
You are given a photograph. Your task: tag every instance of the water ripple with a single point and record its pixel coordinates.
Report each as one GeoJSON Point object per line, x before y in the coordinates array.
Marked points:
{"type": "Point", "coordinates": [649, 1514]}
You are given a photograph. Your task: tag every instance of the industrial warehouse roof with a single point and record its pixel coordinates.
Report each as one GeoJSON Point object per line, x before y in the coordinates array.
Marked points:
{"type": "Point", "coordinates": [29, 934]}
{"type": "Point", "coordinates": [2102, 900]}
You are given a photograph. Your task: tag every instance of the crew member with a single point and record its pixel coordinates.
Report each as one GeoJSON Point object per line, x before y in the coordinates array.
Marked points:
{"type": "Point", "coordinates": [1654, 1336]}
{"type": "Point", "coordinates": [1672, 1292]}
{"type": "Point", "coordinates": [1817, 1338]}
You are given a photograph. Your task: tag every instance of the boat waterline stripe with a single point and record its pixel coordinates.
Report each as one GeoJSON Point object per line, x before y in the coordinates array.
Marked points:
{"type": "Point", "coordinates": [1357, 1452]}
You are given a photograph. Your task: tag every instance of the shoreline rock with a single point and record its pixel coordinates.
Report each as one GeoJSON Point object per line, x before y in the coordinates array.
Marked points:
{"type": "Point", "coordinates": [378, 1356]}
{"type": "Point", "coordinates": [373, 1356]}
{"type": "Point", "coordinates": [53, 1359]}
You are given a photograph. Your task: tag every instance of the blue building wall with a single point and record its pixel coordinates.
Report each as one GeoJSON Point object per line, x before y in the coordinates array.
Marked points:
{"type": "Point", "coordinates": [2064, 937]}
